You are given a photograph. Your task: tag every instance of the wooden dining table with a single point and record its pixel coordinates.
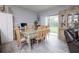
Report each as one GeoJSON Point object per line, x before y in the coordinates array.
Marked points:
{"type": "Point", "coordinates": [29, 36]}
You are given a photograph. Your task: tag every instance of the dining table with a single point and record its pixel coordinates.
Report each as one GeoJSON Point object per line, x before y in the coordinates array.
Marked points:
{"type": "Point", "coordinates": [29, 36]}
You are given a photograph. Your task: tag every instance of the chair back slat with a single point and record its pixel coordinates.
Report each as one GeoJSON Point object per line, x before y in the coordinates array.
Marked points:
{"type": "Point", "coordinates": [27, 29]}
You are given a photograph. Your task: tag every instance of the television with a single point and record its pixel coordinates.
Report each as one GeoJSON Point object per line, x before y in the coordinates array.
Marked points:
{"type": "Point", "coordinates": [23, 24]}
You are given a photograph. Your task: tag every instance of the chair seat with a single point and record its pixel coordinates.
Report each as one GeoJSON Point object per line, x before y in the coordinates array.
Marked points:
{"type": "Point", "coordinates": [40, 38]}
{"type": "Point", "coordinates": [23, 39]}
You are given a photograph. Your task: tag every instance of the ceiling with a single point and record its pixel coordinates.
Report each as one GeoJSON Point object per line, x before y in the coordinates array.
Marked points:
{"type": "Point", "coordinates": [39, 8]}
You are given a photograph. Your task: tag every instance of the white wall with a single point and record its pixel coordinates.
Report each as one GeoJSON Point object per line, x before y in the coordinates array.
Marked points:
{"type": "Point", "coordinates": [50, 12]}
{"type": "Point", "coordinates": [23, 15]}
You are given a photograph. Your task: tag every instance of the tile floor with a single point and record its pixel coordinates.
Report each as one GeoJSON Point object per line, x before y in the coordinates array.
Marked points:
{"type": "Point", "coordinates": [51, 45]}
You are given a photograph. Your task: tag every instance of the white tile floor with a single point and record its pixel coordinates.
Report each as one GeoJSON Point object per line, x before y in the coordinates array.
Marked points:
{"type": "Point", "coordinates": [51, 45]}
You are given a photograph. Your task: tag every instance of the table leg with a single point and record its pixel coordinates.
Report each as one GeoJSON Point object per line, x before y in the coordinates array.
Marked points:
{"type": "Point", "coordinates": [29, 43]}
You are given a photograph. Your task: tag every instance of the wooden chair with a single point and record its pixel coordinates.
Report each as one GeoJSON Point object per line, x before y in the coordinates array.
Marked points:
{"type": "Point", "coordinates": [27, 29]}
{"type": "Point", "coordinates": [19, 38]}
{"type": "Point", "coordinates": [45, 31]}
{"type": "Point", "coordinates": [38, 35]}
{"type": "Point", "coordinates": [48, 30]}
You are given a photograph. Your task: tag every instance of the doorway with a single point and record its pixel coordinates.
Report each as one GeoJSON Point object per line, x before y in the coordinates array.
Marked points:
{"type": "Point", "coordinates": [52, 22]}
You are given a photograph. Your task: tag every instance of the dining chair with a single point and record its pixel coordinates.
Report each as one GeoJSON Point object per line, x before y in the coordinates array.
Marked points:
{"type": "Point", "coordinates": [45, 31]}
{"type": "Point", "coordinates": [38, 35]}
{"type": "Point", "coordinates": [48, 30]}
{"type": "Point", "coordinates": [27, 29]}
{"type": "Point", "coordinates": [19, 38]}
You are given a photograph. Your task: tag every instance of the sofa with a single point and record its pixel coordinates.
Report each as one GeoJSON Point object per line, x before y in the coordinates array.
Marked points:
{"type": "Point", "coordinates": [72, 40]}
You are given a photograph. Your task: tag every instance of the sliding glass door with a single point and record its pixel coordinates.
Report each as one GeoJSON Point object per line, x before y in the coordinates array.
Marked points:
{"type": "Point", "coordinates": [52, 22]}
